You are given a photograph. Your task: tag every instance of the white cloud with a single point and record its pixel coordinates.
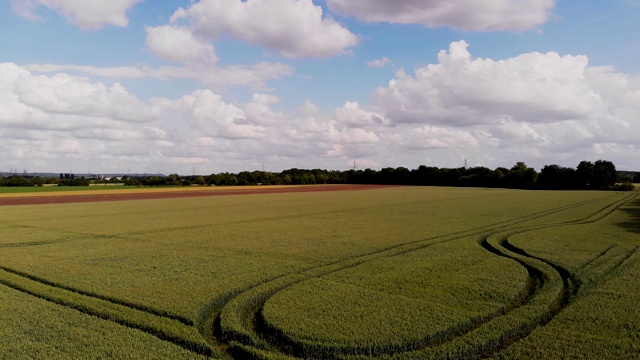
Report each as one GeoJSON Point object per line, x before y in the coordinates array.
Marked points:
{"type": "Point", "coordinates": [27, 99]}
{"type": "Point", "coordinates": [218, 77]}
{"type": "Point", "coordinates": [537, 108]}
{"type": "Point", "coordinates": [293, 28]}
{"type": "Point", "coordinates": [431, 137]}
{"type": "Point", "coordinates": [462, 91]}
{"type": "Point", "coordinates": [206, 114]}
{"type": "Point", "coordinates": [188, 161]}
{"type": "Point", "coordinates": [483, 15]}
{"type": "Point", "coordinates": [179, 44]}
{"type": "Point", "coordinates": [353, 115]}
{"type": "Point", "coordinates": [69, 147]}
{"type": "Point", "coordinates": [86, 14]}
{"type": "Point", "coordinates": [259, 110]}
{"type": "Point", "coordinates": [309, 108]}
{"type": "Point", "coordinates": [50, 122]}
{"type": "Point", "coordinates": [379, 62]}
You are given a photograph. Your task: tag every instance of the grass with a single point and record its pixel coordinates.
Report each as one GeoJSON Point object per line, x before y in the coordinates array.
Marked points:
{"type": "Point", "coordinates": [393, 273]}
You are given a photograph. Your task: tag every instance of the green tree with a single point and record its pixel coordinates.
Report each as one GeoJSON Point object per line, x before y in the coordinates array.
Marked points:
{"type": "Point", "coordinates": [557, 178]}
{"type": "Point", "coordinates": [286, 179]}
{"type": "Point", "coordinates": [521, 176]}
{"type": "Point", "coordinates": [18, 181]}
{"type": "Point", "coordinates": [37, 181]}
{"type": "Point", "coordinates": [604, 174]}
{"type": "Point", "coordinates": [173, 180]}
{"type": "Point", "coordinates": [584, 174]}
{"type": "Point", "coordinates": [200, 181]}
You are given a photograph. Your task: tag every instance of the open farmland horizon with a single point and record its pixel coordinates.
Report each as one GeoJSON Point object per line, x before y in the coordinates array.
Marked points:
{"type": "Point", "coordinates": [390, 273]}
{"type": "Point", "coordinates": [598, 175]}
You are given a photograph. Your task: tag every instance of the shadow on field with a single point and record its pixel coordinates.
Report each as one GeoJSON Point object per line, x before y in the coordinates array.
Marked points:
{"type": "Point", "coordinates": [632, 209]}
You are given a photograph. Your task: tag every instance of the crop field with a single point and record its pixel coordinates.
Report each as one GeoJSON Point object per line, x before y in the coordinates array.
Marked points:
{"type": "Point", "coordinates": [386, 273]}
{"type": "Point", "coordinates": [112, 189]}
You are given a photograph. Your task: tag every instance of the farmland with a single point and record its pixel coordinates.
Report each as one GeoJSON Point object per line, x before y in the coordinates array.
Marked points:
{"type": "Point", "coordinates": [393, 273]}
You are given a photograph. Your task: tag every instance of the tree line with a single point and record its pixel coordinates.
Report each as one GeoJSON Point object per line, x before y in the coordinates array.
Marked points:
{"type": "Point", "coordinates": [599, 175]}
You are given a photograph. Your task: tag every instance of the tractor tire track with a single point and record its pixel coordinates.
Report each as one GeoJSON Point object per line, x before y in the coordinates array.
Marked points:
{"type": "Point", "coordinates": [611, 263]}
{"type": "Point", "coordinates": [571, 283]}
{"type": "Point", "coordinates": [596, 258]}
{"type": "Point", "coordinates": [255, 333]}
{"type": "Point", "coordinates": [208, 321]}
{"type": "Point", "coordinates": [134, 306]}
{"type": "Point", "coordinates": [162, 328]}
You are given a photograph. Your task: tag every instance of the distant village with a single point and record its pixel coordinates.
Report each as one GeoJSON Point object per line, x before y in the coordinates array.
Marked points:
{"type": "Point", "coordinates": [25, 178]}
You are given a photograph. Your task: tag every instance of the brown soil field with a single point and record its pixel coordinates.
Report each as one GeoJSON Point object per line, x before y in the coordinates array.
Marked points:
{"type": "Point", "coordinates": [166, 193]}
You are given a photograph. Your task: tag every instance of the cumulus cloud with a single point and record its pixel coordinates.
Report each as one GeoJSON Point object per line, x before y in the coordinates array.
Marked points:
{"type": "Point", "coordinates": [179, 44]}
{"type": "Point", "coordinates": [293, 28]}
{"type": "Point", "coordinates": [483, 15]}
{"type": "Point", "coordinates": [352, 114]}
{"type": "Point", "coordinates": [27, 99]}
{"type": "Point", "coordinates": [49, 122]}
{"type": "Point", "coordinates": [86, 14]}
{"type": "Point", "coordinates": [463, 91]}
{"type": "Point", "coordinates": [432, 137]}
{"type": "Point", "coordinates": [379, 62]}
{"type": "Point", "coordinates": [533, 106]}
{"type": "Point", "coordinates": [537, 108]}
{"type": "Point", "coordinates": [207, 114]}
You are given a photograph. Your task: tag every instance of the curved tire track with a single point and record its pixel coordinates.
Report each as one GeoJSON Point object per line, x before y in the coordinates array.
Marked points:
{"type": "Point", "coordinates": [571, 283]}
{"type": "Point", "coordinates": [248, 329]}
{"type": "Point", "coordinates": [208, 323]}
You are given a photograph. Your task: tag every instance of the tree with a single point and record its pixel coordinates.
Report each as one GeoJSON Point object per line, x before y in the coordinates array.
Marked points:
{"type": "Point", "coordinates": [568, 178]}
{"type": "Point", "coordinates": [173, 180]}
{"type": "Point", "coordinates": [200, 181]}
{"type": "Point", "coordinates": [554, 177]}
{"type": "Point", "coordinates": [37, 181]}
{"type": "Point", "coordinates": [401, 175]}
{"type": "Point", "coordinates": [18, 181]}
{"type": "Point", "coordinates": [549, 177]}
{"type": "Point", "coordinates": [477, 176]}
{"type": "Point", "coordinates": [155, 181]}
{"type": "Point", "coordinates": [521, 176]}
{"type": "Point", "coordinates": [584, 174]}
{"type": "Point", "coordinates": [604, 174]}
{"type": "Point", "coordinates": [286, 179]}
{"type": "Point", "coordinates": [387, 175]}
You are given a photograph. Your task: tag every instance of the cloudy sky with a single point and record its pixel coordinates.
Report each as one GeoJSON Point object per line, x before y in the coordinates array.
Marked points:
{"type": "Point", "coordinates": [231, 85]}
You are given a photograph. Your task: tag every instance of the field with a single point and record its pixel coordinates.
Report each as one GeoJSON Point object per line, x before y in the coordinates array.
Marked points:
{"type": "Point", "coordinates": [389, 273]}
{"type": "Point", "coordinates": [115, 189]}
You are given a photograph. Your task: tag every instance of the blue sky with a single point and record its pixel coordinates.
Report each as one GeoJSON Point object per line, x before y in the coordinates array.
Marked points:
{"type": "Point", "coordinates": [227, 85]}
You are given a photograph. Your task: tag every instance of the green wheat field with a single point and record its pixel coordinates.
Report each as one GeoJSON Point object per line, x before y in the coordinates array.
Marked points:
{"type": "Point", "coordinates": [396, 273]}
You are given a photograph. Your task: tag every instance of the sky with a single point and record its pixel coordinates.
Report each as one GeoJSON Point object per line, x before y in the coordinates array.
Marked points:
{"type": "Point", "coordinates": [210, 86]}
